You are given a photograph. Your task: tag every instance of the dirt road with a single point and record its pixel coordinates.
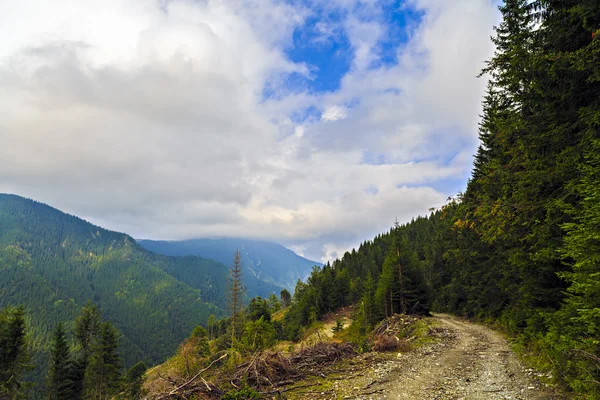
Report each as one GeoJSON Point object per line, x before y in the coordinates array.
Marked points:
{"type": "Point", "coordinates": [470, 362]}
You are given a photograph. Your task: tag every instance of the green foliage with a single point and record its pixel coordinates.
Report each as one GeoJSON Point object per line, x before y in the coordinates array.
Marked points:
{"type": "Point", "coordinates": [53, 263]}
{"type": "Point", "coordinates": [102, 375]}
{"type": "Point", "coordinates": [59, 382]}
{"type": "Point", "coordinates": [86, 329]}
{"type": "Point", "coordinates": [274, 304]}
{"type": "Point", "coordinates": [286, 298]}
{"type": "Point", "coordinates": [575, 333]}
{"type": "Point", "coordinates": [14, 353]}
{"type": "Point", "coordinates": [259, 334]}
{"type": "Point", "coordinates": [257, 309]}
{"type": "Point", "coordinates": [339, 326]}
{"type": "Point", "coordinates": [521, 246]}
{"type": "Point", "coordinates": [241, 394]}
{"type": "Point", "coordinates": [134, 378]}
{"type": "Point", "coordinates": [394, 272]}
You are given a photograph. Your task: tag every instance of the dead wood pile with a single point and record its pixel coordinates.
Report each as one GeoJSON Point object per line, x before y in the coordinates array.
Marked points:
{"type": "Point", "coordinates": [267, 372]}
{"type": "Point", "coordinates": [391, 334]}
{"type": "Point", "coordinates": [321, 354]}
{"type": "Point", "coordinates": [394, 325]}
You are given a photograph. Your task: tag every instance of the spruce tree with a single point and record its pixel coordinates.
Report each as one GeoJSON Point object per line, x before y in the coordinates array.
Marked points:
{"type": "Point", "coordinates": [134, 378]}
{"type": "Point", "coordinates": [87, 328]}
{"type": "Point", "coordinates": [85, 332]}
{"type": "Point", "coordinates": [103, 371]}
{"type": "Point", "coordinates": [387, 285]}
{"type": "Point", "coordinates": [369, 312]}
{"type": "Point", "coordinates": [14, 353]}
{"type": "Point", "coordinates": [236, 291]}
{"type": "Point", "coordinates": [286, 298]}
{"type": "Point", "coordinates": [60, 386]}
{"type": "Point", "coordinates": [576, 326]}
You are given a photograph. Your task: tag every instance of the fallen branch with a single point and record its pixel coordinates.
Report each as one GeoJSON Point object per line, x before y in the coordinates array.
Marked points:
{"type": "Point", "coordinates": [376, 383]}
{"type": "Point", "coordinates": [189, 382]}
{"type": "Point", "coordinates": [206, 384]}
{"type": "Point", "coordinates": [587, 355]}
{"type": "Point", "coordinates": [290, 389]}
{"type": "Point", "coordinates": [168, 379]}
{"type": "Point", "coordinates": [371, 392]}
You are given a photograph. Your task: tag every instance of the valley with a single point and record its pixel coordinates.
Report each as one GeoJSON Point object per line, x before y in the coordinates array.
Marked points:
{"type": "Point", "coordinates": [470, 278]}
{"type": "Point", "coordinates": [52, 264]}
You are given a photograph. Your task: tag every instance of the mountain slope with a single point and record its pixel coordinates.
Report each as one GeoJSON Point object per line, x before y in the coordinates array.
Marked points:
{"type": "Point", "coordinates": [53, 263]}
{"type": "Point", "coordinates": [269, 262]}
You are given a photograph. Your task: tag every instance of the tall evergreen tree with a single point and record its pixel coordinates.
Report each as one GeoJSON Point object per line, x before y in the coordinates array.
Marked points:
{"type": "Point", "coordinates": [87, 328]}
{"type": "Point", "coordinates": [236, 291]}
{"type": "Point", "coordinates": [388, 283]}
{"type": "Point", "coordinates": [134, 379]}
{"type": "Point", "coordinates": [576, 328]}
{"type": "Point", "coordinates": [60, 386]}
{"type": "Point", "coordinates": [86, 332]}
{"type": "Point", "coordinates": [14, 353]}
{"type": "Point", "coordinates": [286, 298]}
{"type": "Point", "coordinates": [103, 370]}
{"type": "Point", "coordinates": [369, 312]}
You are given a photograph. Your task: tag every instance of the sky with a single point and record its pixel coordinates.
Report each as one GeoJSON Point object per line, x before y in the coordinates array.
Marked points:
{"type": "Point", "coordinates": [312, 123]}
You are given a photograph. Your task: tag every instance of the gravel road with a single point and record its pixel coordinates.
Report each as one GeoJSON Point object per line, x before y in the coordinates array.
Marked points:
{"type": "Point", "coordinates": [470, 362]}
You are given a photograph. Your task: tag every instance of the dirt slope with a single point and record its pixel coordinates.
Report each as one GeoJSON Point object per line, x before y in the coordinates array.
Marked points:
{"type": "Point", "coordinates": [470, 362]}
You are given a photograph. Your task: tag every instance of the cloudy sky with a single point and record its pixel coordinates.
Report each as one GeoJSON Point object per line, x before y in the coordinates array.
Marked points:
{"type": "Point", "coordinates": [314, 123]}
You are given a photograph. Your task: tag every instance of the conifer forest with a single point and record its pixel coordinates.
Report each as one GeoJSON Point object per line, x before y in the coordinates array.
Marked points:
{"type": "Point", "coordinates": [89, 314]}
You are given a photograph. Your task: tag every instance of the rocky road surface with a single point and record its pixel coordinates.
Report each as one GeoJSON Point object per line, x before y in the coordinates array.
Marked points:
{"type": "Point", "coordinates": [470, 362]}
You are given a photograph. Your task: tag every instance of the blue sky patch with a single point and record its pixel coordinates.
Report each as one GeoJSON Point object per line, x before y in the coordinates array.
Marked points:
{"type": "Point", "coordinates": [325, 49]}
{"type": "Point", "coordinates": [400, 21]}
{"type": "Point", "coordinates": [323, 45]}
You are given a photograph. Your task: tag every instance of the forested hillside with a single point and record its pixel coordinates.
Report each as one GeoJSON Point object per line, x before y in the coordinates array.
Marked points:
{"type": "Point", "coordinates": [262, 261]}
{"type": "Point", "coordinates": [521, 246]}
{"type": "Point", "coordinates": [52, 264]}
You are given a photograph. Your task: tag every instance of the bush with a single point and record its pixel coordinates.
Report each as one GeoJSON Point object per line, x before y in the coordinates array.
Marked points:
{"type": "Point", "coordinates": [339, 326]}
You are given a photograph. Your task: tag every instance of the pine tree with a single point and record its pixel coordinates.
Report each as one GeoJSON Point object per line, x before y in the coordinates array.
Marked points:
{"type": "Point", "coordinates": [14, 353]}
{"type": "Point", "coordinates": [386, 286]}
{"type": "Point", "coordinates": [60, 386]}
{"type": "Point", "coordinates": [134, 380]}
{"type": "Point", "coordinates": [103, 371]}
{"type": "Point", "coordinates": [87, 328]}
{"type": "Point", "coordinates": [286, 298]}
{"type": "Point", "coordinates": [236, 291]}
{"type": "Point", "coordinates": [577, 326]}
{"type": "Point", "coordinates": [368, 302]}
{"type": "Point", "coordinates": [85, 332]}
{"type": "Point", "coordinates": [210, 325]}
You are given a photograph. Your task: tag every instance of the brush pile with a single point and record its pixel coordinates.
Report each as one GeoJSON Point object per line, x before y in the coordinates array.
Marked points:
{"type": "Point", "coordinates": [393, 334]}
{"type": "Point", "coordinates": [311, 359]}
{"type": "Point", "coordinates": [395, 325]}
{"type": "Point", "coordinates": [267, 372]}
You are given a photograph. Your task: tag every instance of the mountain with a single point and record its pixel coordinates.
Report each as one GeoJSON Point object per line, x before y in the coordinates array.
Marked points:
{"type": "Point", "coordinates": [53, 263]}
{"type": "Point", "coordinates": [269, 262]}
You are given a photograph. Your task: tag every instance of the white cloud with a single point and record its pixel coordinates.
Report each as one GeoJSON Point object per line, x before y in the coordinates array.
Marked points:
{"type": "Point", "coordinates": [149, 117]}
{"type": "Point", "coordinates": [334, 113]}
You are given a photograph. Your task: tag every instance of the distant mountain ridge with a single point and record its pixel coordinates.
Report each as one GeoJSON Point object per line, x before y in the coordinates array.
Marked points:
{"type": "Point", "coordinates": [267, 261]}
{"type": "Point", "coordinates": [53, 263]}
